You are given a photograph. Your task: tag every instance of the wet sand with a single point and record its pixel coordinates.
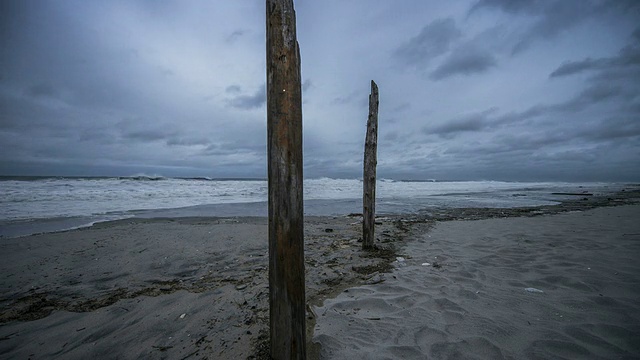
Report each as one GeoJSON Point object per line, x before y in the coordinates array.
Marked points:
{"type": "Point", "coordinates": [164, 288]}
{"type": "Point", "coordinates": [196, 288]}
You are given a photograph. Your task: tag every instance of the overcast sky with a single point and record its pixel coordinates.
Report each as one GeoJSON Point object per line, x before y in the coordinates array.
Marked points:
{"type": "Point", "coordinates": [489, 89]}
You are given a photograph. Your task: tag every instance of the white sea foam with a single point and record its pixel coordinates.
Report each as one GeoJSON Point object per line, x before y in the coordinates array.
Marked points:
{"type": "Point", "coordinates": [73, 197]}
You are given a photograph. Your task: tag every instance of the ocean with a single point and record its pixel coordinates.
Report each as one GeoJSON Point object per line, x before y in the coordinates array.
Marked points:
{"type": "Point", "coordinates": [31, 205]}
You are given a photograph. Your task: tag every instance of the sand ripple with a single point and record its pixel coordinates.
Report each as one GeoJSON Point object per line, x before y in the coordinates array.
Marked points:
{"type": "Point", "coordinates": [471, 303]}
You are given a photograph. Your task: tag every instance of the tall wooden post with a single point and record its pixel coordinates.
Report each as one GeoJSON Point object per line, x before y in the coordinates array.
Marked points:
{"type": "Point", "coordinates": [369, 175]}
{"type": "Point", "coordinates": [286, 218]}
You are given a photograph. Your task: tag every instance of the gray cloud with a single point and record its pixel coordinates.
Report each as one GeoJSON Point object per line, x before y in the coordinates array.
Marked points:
{"type": "Point", "coordinates": [352, 97]}
{"type": "Point", "coordinates": [628, 56]}
{"type": "Point", "coordinates": [390, 136]}
{"type": "Point", "coordinates": [402, 107]}
{"type": "Point", "coordinates": [552, 17]}
{"type": "Point", "coordinates": [41, 90]}
{"type": "Point", "coordinates": [490, 119]}
{"type": "Point", "coordinates": [636, 34]}
{"type": "Point", "coordinates": [509, 6]}
{"type": "Point", "coordinates": [147, 135]}
{"type": "Point", "coordinates": [466, 60]}
{"type": "Point", "coordinates": [233, 89]}
{"type": "Point", "coordinates": [469, 123]}
{"type": "Point", "coordinates": [248, 102]}
{"type": "Point", "coordinates": [188, 80]}
{"type": "Point", "coordinates": [433, 40]}
{"type": "Point", "coordinates": [235, 36]}
{"type": "Point", "coordinates": [187, 141]}
{"type": "Point", "coordinates": [307, 84]}
{"type": "Point", "coordinates": [594, 94]}
{"type": "Point", "coordinates": [614, 128]}
{"type": "Point", "coordinates": [97, 136]}
{"type": "Point", "coordinates": [575, 67]}
{"type": "Point", "coordinates": [591, 96]}
{"type": "Point", "coordinates": [597, 131]}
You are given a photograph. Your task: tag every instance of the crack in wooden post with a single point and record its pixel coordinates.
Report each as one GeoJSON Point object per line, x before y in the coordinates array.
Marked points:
{"type": "Point", "coordinates": [369, 173]}
{"type": "Point", "coordinates": [286, 217]}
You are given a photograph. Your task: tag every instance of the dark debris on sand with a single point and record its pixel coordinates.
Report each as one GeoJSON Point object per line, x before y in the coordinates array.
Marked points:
{"type": "Point", "coordinates": [334, 261]}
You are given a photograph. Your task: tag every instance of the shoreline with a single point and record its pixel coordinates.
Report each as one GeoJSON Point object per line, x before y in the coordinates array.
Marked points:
{"type": "Point", "coordinates": [145, 274]}
{"type": "Point", "coordinates": [523, 196]}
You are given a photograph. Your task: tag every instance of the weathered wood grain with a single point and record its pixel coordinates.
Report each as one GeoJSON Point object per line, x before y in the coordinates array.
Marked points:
{"type": "Point", "coordinates": [369, 174]}
{"type": "Point", "coordinates": [284, 146]}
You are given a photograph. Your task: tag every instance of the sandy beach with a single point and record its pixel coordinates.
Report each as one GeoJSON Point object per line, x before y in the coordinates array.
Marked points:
{"type": "Point", "coordinates": [164, 288]}
{"type": "Point", "coordinates": [196, 288]}
{"type": "Point", "coordinates": [562, 286]}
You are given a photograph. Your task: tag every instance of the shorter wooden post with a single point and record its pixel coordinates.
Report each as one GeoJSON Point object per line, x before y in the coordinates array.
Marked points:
{"type": "Point", "coordinates": [369, 175]}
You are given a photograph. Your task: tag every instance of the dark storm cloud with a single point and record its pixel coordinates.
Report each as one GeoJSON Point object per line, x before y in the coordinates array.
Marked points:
{"type": "Point", "coordinates": [143, 129]}
{"type": "Point", "coordinates": [593, 132]}
{"type": "Point", "coordinates": [148, 135]}
{"type": "Point", "coordinates": [508, 6]}
{"type": "Point", "coordinates": [467, 60]}
{"type": "Point", "coordinates": [558, 139]}
{"type": "Point", "coordinates": [636, 34]}
{"type": "Point", "coordinates": [552, 17]}
{"type": "Point", "coordinates": [16, 110]}
{"type": "Point", "coordinates": [96, 87]}
{"type": "Point", "coordinates": [628, 56]}
{"type": "Point", "coordinates": [97, 136]}
{"type": "Point", "coordinates": [433, 40]}
{"type": "Point", "coordinates": [611, 79]}
{"type": "Point", "coordinates": [544, 154]}
{"type": "Point", "coordinates": [590, 96]}
{"type": "Point", "coordinates": [614, 128]}
{"type": "Point", "coordinates": [52, 53]}
{"type": "Point", "coordinates": [490, 119]}
{"type": "Point", "coordinates": [41, 90]}
{"type": "Point", "coordinates": [469, 123]}
{"type": "Point", "coordinates": [73, 70]}
{"type": "Point", "coordinates": [249, 102]}
{"type": "Point", "coordinates": [575, 67]}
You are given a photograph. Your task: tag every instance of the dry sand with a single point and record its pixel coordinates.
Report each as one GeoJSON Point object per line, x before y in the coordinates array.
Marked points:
{"type": "Point", "coordinates": [163, 288]}
{"type": "Point", "coordinates": [196, 288]}
{"type": "Point", "coordinates": [461, 293]}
